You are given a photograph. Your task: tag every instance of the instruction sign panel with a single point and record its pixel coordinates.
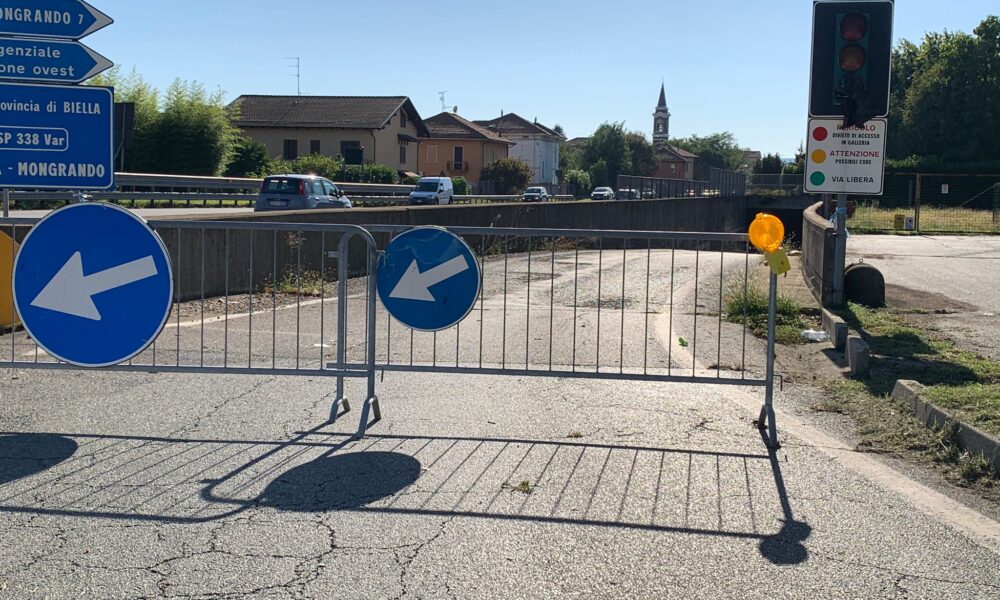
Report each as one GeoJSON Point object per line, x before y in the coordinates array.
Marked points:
{"type": "Point", "coordinates": [56, 137]}
{"type": "Point", "coordinates": [845, 160]}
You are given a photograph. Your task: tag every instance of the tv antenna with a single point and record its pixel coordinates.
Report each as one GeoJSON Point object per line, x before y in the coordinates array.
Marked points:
{"type": "Point", "coordinates": [444, 105]}
{"type": "Point", "coordinates": [298, 72]}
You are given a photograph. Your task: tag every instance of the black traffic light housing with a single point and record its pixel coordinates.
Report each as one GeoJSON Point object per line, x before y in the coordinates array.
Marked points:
{"type": "Point", "coordinates": [851, 60]}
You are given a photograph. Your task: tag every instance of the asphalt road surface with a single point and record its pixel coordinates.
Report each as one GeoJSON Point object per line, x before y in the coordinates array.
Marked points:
{"type": "Point", "coordinates": [141, 485]}
{"type": "Point", "coordinates": [958, 276]}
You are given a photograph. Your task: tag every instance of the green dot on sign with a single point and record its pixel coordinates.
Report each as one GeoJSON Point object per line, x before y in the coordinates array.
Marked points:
{"type": "Point", "coordinates": [817, 178]}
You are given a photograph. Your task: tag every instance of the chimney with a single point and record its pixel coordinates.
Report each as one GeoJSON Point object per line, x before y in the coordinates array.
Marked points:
{"type": "Point", "coordinates": [454, 109]}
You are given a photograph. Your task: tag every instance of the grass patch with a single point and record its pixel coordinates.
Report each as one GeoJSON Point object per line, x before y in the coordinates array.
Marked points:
{"type": "Point", "coordinates": [304, 283]}
{"type": "Point", "coordinates": [873, 218]}
{"type": "Point", "coordinates": [746, 302]}
{"type": "Point", "coordinates": [575, 435]}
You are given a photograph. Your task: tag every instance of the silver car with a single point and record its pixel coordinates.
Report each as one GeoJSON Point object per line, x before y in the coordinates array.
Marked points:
{"type": "Point", "coordinates": [299, 192]}
{"type": "Point", "coordinates": [602, 193]}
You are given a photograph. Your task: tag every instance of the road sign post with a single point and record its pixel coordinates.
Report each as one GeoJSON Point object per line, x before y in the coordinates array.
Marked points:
{"type": "Point", "coordinates": [428, 279]}
{"type": "Point", "coordinates": [93, 284]}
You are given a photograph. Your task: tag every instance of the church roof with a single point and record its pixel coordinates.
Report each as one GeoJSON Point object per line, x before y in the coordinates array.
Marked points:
{"type": "Point", "coordinates": [669, 151]}
{"type": "Point", "coordinates": [663, 98]}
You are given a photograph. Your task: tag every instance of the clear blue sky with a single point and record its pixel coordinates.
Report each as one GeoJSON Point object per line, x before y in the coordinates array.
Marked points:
{"type": "Point", "coordinates": [733, 65]}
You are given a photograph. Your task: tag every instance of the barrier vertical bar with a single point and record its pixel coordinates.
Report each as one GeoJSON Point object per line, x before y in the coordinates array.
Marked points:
{"type": "Point", "coordinates": [371, 400]}
{"type": "Point", "coordinates": [766, 418]}
{"type": "Point", "coordinates": [341, 399]}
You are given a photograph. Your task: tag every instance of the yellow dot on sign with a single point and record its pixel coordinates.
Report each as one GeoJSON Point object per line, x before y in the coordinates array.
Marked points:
{"type": "Point", "coordinates": [819, 157]}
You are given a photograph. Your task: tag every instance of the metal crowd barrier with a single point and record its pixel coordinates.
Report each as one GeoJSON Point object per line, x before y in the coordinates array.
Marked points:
{"type": "Point", "coordinates": [296, 299]}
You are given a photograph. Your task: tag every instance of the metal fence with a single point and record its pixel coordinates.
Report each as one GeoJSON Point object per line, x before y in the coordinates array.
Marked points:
{"type": "Point", "coordinates": [297, 299]}
{"type": "Point", "coordinates": [722, 183]}
{"type": "Point", "coordinates": [918, 202]}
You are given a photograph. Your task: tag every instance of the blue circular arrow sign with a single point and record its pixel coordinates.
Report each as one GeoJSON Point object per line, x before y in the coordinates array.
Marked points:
{"type": "Point", "coordinates": [428, 279]}
{"type": "Point", "coordinates": [93, 285]}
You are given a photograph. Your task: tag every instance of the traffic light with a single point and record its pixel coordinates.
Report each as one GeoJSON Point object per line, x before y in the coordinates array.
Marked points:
{"type": "Point", "coordinates": [851, 60]}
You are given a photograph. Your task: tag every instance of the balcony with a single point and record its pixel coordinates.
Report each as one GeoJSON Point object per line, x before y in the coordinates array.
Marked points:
{"type": "Point", "coordinates": [458, 166]}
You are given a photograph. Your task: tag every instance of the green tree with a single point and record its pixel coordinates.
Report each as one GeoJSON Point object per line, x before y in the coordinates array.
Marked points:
{"type": "Point", "coordinates": [609, 145]}
{"type": "Point", "coordinates": [579, 182]}
{"type": "Point", "coordinates": [194, 134]}
{"type": "Point", "coordinates": [770, 164]}
{"type": "Point", "coordinates": [131, 87]}
{"type": "Point", "coordinates": [460, 185]}
{"type": "Point", "coordinates": [250, 159]}
{"type": "Point", "coordinates": [799, 166]}
{"type": "Point", "coordinates": [718, 150]}
{"type": "Point", "coordinates": [643, 154]}
{"type": "Point", "coordinates": [509, 175]}
{"type": "Point", "coordinates": [945, 94]}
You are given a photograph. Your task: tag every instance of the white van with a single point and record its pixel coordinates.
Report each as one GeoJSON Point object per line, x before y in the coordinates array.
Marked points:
{"type": "Point", "coordinates": [433, 190]}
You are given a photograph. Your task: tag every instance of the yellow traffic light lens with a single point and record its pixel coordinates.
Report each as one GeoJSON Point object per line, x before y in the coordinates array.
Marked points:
{"type": "Point", "coordinates": [852, 58]}
{"type": "Point", "coordinates": [854, 27]}
{"type": "Point", "coordinates": [766, 233]}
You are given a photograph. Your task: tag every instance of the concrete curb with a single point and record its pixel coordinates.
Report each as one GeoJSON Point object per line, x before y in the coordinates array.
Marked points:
{"type": "Point", "coordinates": [970, 439]}
{"type": "Point", "coordinates": [858, 356]}
{"type": "Point", "coordinates": [836, 328]}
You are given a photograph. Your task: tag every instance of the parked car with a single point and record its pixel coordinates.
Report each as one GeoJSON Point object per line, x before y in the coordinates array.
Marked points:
{"type": "Point", "coordinates": [629, 194]}
{"type": "Point", "coordinates": [535, 194]}
{"type": "Point", "coordinates": [602, 193]}
{"type": "Point", "coordinates": [299, 192]}
{"type": "Point", "coordinates": [433, 190]}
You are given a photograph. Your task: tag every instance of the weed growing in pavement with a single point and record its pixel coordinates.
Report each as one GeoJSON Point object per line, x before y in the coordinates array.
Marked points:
{"type": "Point", "coordinates": [525, 487]}
{"type": "Point", "coordinates": [305, 283]}
{"type": "Point", "coordinates": [746, 302]}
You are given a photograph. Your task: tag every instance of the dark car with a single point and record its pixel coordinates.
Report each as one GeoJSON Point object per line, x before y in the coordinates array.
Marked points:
{"type": "Point", "coordinates": [299, 192]}
{"type": "Point", "coordinates": [535, 194]}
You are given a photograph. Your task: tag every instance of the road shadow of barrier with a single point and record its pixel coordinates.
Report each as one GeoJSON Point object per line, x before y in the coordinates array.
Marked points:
{"type": "Point", "coordinates": [26, 454]}
{"type": "Point", "coordinates": [566, 482]}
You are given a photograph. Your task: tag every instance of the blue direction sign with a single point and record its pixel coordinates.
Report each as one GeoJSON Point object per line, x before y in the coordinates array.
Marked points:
{"type": "Point", "coordinates": [45, 60]}
{"type": "Point", "coordinates": [428, 279]}
{"type": "Point", "coordinates": [56, 137]}
{"type": "Point", "coordinates": [72, 19]}
{"type": "Point", "coordinates": [93, 285]}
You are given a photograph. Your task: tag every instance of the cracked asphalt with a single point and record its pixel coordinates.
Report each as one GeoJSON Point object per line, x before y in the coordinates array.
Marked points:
{"type": "Point", "coordinates": [179, 485]}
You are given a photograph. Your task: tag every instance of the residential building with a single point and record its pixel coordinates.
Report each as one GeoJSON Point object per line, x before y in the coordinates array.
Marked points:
{"type": "Point", "coordinates": [374, 129]}
{"type": "Point", "coordinates": [534, 143]}
{"type": "Point", "coordinates": [671, 162]}
{"type": "Point", "coordinates": [457, 147]}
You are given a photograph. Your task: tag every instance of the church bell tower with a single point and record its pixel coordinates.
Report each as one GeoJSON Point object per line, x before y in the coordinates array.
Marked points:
{"type": "Point", "coordinates": [661, 120]}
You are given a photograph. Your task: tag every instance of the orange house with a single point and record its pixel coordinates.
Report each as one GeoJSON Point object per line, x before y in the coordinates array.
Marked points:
{"type": "Point", "coordinates": [457, 147]}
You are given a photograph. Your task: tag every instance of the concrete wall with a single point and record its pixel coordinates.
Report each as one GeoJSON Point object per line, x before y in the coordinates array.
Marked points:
{"type": "Point", "coordinates": [229, 264]}
{"type": "Point", "coordinates": [818, 248]}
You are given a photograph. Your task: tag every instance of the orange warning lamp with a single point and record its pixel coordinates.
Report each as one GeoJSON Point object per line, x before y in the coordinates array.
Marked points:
{"type": "Point", "coordinates": [766, 233]}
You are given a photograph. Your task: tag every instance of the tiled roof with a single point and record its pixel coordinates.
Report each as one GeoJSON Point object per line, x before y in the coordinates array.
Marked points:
{"type": "Point", "coordinates": [335, 112]}
{"type": "Point", "coordinates": [512, 123]}
{"type": "Point", "coordinates": [451, 125]}
{"type": "Point", "coordinates": [671, 151]}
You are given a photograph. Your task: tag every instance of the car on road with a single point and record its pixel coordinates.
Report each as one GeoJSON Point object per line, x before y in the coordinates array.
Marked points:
{"type": "Point", "coordinates": [433, 190]}
{"type": "Point", "coordinates": [629, 194]}
{"type": "Point", "coordinates": [299, 192]}
{"type": "Point", "coordinates": [535, 194]}
{"type": "Point", "coordinates": [602, 193]}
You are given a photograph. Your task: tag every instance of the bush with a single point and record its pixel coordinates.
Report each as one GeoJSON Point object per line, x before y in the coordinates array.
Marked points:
{"type": "Point", "coordinates": [579, 183]}
{"type": "Point", "coordinates": [509, 175]}
{"type": "Point", "coordinates": [461, 185]}
{"type": "Point", "coordinates": [411, 180]}
{"type": "Point", "coordinates": [249, 159]}
{"type": "Point", "coordinates": [368, 174]}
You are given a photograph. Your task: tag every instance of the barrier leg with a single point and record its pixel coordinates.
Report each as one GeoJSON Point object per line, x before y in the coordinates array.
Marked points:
{"type": "Point", "coordinates": [371, 405]}
{"type": "Point", "coordinates": [766, 418]}
{"type": "Point", "coordinates": [340, 399]}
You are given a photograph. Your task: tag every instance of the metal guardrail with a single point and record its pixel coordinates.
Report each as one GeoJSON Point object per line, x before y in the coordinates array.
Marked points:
{"type": "Point", "coordinates": [154, 182]}
{"type": "Point", "coordinates": [205, 199]}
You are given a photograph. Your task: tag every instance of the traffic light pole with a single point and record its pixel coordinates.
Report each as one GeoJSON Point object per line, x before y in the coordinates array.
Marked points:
{"type": "Point", "coordinates": [840, 254]}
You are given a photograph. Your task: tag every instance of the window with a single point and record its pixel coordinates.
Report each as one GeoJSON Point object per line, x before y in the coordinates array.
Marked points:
{"type": "Point", "coordinates": [659, 127]}
{"type": "Point", "coordinates": [459, 154]}
{"type": "Point", "coordinates": [402, 119]}
{"type": "Point", "coordinates": [329, 189]}
{"type": "Point", "coordinates": [316, 188]}
{"type": "Point", "coordinates": [290, 150]}
{"type": "Point", "coordinates": [402, 153]}
{"type": "Point", "coordinates": [432, 154]}
{"type": "Point", "coordinates": [352, 152]}
{"type": "Point", "coordinates": [314, 147]}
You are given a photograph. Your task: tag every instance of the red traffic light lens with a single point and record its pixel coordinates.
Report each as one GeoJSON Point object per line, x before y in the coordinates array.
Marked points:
{"type": "Point", "coordinates": [854, 27]}
{"type": "Point", "coordinates": [852, 58]}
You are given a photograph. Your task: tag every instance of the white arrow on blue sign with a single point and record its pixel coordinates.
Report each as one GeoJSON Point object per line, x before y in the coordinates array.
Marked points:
{"type": "Point", "coordinates": [45, 60]}
{"type": "Point", "coordinates": [93, 284]}
{"type": "Point", "coordinates": [66, 19]}
{"type": "Point", "coordinates": [428, 279]}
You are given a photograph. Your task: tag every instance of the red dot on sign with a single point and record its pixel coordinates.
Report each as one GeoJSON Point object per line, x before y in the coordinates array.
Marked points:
{"type": "Point", "coordinates": [820, 133]}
